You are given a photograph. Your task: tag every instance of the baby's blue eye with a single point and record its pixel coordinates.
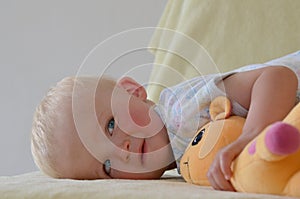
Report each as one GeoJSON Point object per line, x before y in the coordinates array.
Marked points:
{"type": "Point", "coordinates": [111, 126]}
{"type": "Point", "coordinates": [107, 167]}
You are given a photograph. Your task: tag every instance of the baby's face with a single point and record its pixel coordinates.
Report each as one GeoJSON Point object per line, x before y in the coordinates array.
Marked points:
{"type": "Point", "coordinates": [129, 140]}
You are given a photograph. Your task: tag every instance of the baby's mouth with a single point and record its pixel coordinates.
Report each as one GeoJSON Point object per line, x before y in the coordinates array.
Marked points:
{"type": "Point", "coordinates": [144, 147]}
{"type": "Point", "coordinates": [143, 150]}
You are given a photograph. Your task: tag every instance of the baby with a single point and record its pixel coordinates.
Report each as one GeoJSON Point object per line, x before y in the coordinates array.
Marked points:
{"type": "Point", "coordinates": [91, 128]}
{"type": "Point", "coordinates": [125, 135]}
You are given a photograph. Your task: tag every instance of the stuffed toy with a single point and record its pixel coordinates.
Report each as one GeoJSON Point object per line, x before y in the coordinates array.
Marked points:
{"type": "Point", "coordinates": [269, 164]}
{"type": "Point", "coordinates": [221, 131]}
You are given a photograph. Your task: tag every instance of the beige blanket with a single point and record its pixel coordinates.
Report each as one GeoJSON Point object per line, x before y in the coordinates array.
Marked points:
{"type": "Point", "coordinates": [38, 186]}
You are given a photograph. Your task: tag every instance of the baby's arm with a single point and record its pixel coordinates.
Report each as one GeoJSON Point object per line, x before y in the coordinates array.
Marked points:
{"type": "Point", "coordinates": [269, 94]}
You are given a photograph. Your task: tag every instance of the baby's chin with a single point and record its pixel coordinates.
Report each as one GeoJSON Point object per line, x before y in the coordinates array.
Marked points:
{"type": "Point", "coordinates": [139, 176]}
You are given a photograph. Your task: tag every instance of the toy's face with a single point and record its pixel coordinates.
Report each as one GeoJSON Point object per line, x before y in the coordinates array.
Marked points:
{"type": "Point", "coordinates": [207, 142]}
{"type": "Point", "coordinates": [190, 158]}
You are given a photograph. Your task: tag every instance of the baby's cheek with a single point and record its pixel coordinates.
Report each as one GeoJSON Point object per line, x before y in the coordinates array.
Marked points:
{"type": "Point", "coordinates": [146, 122]}
{"type": "Point", "coordinates": [140, 117]}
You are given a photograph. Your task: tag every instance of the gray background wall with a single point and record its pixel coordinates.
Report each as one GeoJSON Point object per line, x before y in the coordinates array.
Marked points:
{"type": "Point", "coordinates": [42, 41]}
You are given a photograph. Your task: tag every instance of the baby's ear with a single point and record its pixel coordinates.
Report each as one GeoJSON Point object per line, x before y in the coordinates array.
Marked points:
{"type": "Point", "coordinates": [132, 87]}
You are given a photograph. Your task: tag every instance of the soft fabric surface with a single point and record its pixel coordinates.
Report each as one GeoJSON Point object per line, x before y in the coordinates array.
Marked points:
{"type": "Point", "coordinates": [234, 32]}
{"type": "Point", "coordinates": [36, 185]}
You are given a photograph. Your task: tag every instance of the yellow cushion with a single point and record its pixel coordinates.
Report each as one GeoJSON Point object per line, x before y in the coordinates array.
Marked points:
{"type": "Point", "coordinates": [234, 33]}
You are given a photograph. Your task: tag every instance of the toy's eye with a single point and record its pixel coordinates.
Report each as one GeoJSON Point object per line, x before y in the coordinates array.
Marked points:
{"type": "Point", "coordinates": [198, 137]}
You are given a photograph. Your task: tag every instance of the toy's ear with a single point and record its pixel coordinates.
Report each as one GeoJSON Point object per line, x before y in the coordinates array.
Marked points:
{"type": "Point", "coordinates": [220, 108]}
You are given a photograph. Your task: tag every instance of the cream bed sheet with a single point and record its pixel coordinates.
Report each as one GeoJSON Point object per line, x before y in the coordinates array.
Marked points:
{"type": "Point", "coordinates": [35, 185]}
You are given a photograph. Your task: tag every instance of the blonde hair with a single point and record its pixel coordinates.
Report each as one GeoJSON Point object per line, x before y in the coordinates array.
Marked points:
{"type": "Point", "coordinates": [45, 119]}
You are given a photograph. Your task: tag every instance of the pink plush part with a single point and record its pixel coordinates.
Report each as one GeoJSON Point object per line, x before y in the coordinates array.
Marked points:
{"type": "Point", "coordinates": [252, 148]}
{"type": "Point", "coordinates": [282, 139]}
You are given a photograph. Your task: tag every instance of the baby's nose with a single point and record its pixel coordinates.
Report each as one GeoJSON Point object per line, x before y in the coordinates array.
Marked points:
{"type": "Point", "coordinates": [126, 145]}
{"type": "Point", "coordinates": [125, 150]}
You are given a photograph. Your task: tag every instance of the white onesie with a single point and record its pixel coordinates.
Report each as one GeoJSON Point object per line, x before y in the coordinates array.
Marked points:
{"type": "Point", "coordinates": [184, 108]}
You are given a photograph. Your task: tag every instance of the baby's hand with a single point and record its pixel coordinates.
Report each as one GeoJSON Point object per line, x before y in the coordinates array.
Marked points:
{"type": "Point", "coordinates": [220, 172]}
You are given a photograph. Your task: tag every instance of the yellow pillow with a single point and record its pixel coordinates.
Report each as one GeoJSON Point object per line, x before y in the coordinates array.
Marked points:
{"type": "Point", "coordinates": [234, 33]}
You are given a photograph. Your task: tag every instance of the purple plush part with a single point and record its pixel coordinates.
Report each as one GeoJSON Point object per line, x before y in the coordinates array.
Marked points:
{"type": "Point", "coordinates": [282, 139]}
{"type": "Point", "coordinates": [252, 148]}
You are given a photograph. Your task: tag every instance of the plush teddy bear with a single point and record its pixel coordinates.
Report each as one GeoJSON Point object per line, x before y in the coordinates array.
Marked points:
{"type": "Point", "coordinates": [269, 164]}
{"type": "Point", "coordinates": [221, 131]}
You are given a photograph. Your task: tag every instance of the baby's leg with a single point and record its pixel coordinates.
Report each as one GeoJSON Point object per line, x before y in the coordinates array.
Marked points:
{"type": "Point", "coordinates": [273, 97]}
